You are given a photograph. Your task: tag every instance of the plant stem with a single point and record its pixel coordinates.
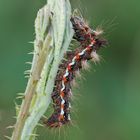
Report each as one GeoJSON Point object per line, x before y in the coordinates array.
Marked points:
{"type": "Point", "coordinates": [53, 36]}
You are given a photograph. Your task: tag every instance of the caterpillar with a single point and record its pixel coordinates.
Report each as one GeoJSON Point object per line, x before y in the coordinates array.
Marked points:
{"type": "Point", "coordinates": [90, 41]}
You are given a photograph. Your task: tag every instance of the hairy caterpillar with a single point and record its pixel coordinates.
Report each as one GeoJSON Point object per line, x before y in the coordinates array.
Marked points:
{"type": "Point", "coordinates": [90, 41]}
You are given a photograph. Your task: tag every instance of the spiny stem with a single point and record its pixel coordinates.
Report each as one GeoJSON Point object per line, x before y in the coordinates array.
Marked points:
{"type": "Point", "coordinates": [30, 90]}
{"type": "Point", "coordinates": [53, 36]}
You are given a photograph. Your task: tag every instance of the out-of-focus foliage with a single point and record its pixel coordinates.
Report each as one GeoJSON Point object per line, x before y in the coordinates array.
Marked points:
{"type": "Point", "coordinates": [108, 100]}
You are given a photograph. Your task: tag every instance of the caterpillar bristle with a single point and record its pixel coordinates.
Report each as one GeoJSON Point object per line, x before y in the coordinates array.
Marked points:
{"type": "Point", "coordinates": [85, 65]}
{"type": "Point", "coordinates": [95, 57]}
{"type": "Point", "coordinates": [98, 31]}
{"type": "Point", "coordinates": [74, 83]}
{"type": "Point", "coordinates": [78, 74]}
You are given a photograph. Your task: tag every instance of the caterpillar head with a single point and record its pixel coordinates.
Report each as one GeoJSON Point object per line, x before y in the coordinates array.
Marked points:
{"type": "Point", "coordinates": [84, 34]}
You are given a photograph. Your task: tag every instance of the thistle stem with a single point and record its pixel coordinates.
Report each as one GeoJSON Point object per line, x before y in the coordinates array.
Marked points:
{"type": "Point", "coordinates": [53, 36]}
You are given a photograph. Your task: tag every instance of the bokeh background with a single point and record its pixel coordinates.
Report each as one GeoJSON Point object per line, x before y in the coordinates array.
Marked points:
{"type": "Point", "coordinates": [107, 104]}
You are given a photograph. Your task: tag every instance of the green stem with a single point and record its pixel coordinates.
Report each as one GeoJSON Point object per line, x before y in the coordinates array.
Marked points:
{"type": "Point", "coordinates": [53, 36]}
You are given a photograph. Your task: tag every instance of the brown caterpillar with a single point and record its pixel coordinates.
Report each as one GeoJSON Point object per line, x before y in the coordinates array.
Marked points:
{"type": "Point", "coordinates": [90, 42]}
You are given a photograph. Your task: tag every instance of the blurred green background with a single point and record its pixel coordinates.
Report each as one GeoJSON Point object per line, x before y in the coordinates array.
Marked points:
{"type": "Point", "coordinates": [107, 104]}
